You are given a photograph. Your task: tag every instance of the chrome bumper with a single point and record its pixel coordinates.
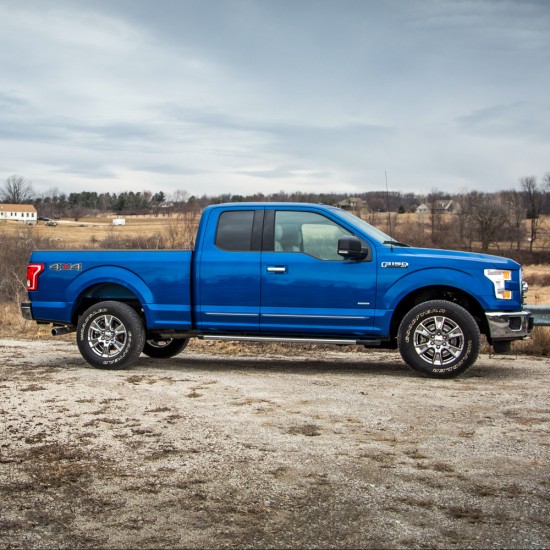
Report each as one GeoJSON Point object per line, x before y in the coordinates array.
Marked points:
{"type": "Point", "coordinates": [26, 311]}
{"type": "Point", "coordinates": [509, 325]}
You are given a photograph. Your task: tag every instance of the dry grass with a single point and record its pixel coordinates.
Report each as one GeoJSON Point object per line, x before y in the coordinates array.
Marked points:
{"type": "Point", "coordinates": [12, 324]}
{"type": "Point", "coordinates": [538, 277]}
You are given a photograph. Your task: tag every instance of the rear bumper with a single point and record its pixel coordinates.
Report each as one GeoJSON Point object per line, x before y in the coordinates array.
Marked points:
{"type": "Point", "coordinates": [26, 311]}
{"type": "Point", "coordinates": [509, 325]}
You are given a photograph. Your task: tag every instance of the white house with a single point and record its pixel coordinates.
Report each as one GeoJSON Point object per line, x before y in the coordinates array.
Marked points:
{"type": "Point", "coordinates": [18, 213]}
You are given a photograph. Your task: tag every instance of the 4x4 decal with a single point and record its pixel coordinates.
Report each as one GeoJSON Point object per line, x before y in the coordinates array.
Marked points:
{"type": "Point", "coordinates": [66, 267]}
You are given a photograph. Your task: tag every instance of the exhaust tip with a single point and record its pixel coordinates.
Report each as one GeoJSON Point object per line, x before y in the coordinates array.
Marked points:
{"type": "Point", "coordinates": [58, 331]}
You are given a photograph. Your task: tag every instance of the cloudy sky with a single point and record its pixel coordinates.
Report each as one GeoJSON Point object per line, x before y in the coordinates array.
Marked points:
{"type": "Point", "coordinates": [241, 96]}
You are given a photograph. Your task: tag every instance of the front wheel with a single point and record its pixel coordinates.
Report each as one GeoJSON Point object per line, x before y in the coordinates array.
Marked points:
{"type": "Point", "coordinates": [110, 335]}
{"type": "Point", "coordinates": [164, 349]}
{"type": "Point", "coordinates": [439, 339]}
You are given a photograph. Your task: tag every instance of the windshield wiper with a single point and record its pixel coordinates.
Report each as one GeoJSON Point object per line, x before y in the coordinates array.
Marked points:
{"type": "Point", "coordinates": [396, 243]}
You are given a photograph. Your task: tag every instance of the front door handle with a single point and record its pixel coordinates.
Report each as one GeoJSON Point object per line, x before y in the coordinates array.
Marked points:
{"type": "Point", "coordinates": [276, 269]}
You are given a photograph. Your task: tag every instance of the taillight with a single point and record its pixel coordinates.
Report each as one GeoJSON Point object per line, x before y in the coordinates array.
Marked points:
{"type": "Point", "coordinates": [33, 271]}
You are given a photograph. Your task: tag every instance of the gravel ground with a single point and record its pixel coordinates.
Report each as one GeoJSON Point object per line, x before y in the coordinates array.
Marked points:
{"type": "Point", "coordinates": [258, 449]}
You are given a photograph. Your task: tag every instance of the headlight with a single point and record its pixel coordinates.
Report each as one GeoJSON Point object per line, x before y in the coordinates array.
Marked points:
{"type": "Point", "coordinates": [499, 278]}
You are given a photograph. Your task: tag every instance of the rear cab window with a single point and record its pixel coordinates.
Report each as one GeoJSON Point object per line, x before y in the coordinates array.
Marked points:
{"type": "Point", "coordinates": [239, 230]}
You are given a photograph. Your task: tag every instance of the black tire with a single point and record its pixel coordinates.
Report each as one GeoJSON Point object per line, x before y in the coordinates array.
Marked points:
{"type": "Point", "coordinates": [110, 335]}
{"type": "Point", "coordinates": [439, 339]}
{"type": "Point", "coordinates": [164, 349]}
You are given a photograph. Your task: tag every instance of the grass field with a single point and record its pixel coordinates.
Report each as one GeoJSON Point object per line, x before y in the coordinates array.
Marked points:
{"type": "Point", "coordinates": [88, 232]}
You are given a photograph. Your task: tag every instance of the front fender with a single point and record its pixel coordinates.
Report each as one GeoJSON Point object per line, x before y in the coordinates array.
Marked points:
{"type": "Point", "coordinates": [394, 286]}
{"type": "Point", "coordinates": [396, 290]}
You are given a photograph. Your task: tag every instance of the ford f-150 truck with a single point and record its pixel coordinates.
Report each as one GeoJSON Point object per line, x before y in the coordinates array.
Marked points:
{"type": "Point", "coordinates": [285, 273]}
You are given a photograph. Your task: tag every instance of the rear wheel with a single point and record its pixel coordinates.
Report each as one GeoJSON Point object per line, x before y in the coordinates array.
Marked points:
{"type": "Point", "coordinates": [439, 339]}
{"type": "Point", "coordinates": [163, 349]}
{"type": "Point", "coordinates": [110, 335]}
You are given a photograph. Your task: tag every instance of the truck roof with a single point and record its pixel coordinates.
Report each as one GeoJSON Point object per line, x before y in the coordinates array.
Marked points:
{"type": "Point", "coordinates": [272, 205]}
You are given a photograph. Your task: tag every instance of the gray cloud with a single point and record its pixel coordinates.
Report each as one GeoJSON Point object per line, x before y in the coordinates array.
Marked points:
{"type": "Point", "coordinates": [519, 118]}
{"type": "Point", "coordinates": [239, 95]}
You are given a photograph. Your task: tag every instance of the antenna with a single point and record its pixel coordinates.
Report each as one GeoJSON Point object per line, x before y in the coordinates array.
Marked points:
{"type": "Point", "coordinates": [388, 203]}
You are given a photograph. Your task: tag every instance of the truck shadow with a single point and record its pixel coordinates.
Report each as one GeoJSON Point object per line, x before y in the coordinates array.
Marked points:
{"type": "Point", "coordinates": [486, 367]}
{"type": "Point", "coordinates": [275, 365]}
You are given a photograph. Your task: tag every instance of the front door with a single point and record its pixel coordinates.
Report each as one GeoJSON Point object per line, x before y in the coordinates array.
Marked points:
{"type": "Point", "coordinates": [307, 288]}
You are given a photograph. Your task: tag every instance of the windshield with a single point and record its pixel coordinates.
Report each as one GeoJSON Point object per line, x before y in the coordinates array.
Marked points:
{"type": "Point", "coordinates": [367, 228]}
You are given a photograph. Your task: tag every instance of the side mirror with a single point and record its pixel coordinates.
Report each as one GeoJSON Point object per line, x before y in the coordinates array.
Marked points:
{"type": "Point", "coordinates": [349, 246]}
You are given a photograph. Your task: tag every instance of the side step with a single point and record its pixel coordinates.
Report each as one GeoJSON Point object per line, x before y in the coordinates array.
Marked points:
{"type": "Point", "coordinates": [339, 342]}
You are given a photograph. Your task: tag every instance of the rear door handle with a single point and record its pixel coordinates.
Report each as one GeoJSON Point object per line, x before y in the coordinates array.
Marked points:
{"type": "Point", "coordinates": [276, 269]}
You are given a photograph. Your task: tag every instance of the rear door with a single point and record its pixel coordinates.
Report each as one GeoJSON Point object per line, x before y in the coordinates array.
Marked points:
{"type": "Point", "coordinates": [307, 288]}
{"type": "Point", "coordinates": [228, 275]}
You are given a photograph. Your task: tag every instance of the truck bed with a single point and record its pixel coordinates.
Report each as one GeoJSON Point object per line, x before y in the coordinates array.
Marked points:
{"type": "Point", "coordinates": [160, 280]}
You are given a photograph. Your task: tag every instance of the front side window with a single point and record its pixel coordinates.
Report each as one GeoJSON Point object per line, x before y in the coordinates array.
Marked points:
{"type": "Point", "coordinates": [234, 231]}
{"type": "Point", "coordinates": [308, 233]}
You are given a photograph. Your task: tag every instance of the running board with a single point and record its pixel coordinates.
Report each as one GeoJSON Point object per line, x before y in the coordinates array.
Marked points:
{"type": "Point", "coordinates": [294, 340]}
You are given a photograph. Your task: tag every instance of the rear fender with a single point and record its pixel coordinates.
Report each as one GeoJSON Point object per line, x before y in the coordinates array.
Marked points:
{"type": "Point", "coordinates": [108, 275]}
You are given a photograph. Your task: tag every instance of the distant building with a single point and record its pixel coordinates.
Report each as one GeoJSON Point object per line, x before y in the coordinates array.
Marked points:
{"type": "Point", "coordinates": [422, 209]}
{"type": "Point", "coordinates": [352, 203]}
{"type": "Point", "coordinates": [444, 207]}
{"type": "Point", "coordinates": [18, 213]}
{"type": "Point", "coordinates": [440, 207]}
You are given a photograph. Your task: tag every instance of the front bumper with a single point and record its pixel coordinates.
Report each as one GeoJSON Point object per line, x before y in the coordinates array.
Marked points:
{"type": "Point", "coordinates": [26, 311]}
{"type": "Point", "coordinates": [509, 325]}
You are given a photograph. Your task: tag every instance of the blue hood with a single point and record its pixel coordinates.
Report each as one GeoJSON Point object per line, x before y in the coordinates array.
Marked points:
{"type": "Point", "coordinates": [433, 255]}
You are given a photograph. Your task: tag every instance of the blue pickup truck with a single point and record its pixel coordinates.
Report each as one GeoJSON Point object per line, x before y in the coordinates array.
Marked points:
{"type": "Point", "coordinates": [281, 273]}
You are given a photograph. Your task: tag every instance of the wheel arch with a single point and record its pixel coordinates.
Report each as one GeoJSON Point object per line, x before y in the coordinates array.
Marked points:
{"type": "Point", "coordinates": [102, 292]}
{"type": "Point", "coordinates": [107, 283]}
{"type": "Point", "coordinates": [437, 292]}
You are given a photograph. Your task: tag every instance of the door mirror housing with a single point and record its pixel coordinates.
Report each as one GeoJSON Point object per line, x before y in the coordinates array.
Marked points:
{"type": "Point", "coordinates": [349, 246]}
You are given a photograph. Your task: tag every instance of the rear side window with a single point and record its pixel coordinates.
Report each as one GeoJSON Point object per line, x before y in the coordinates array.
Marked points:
{"type": "Point", "coordinates": [234, 231]}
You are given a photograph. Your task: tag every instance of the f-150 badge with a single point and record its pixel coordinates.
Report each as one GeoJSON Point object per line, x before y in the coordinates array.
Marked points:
{"type": "Point", "coordinates": [66, 267]}
{"type": "Point", "coordinates": [394, 264]}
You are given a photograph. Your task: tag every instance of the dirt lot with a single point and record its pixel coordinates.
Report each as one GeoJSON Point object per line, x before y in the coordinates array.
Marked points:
{"type": "Point", "coordinates": [317, 449]}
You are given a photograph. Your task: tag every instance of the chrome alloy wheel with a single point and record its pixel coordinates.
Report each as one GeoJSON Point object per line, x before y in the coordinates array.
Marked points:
{"type": "Point", "coordinates": [107, 336]}
{"type": "Point", "coordinates": [438, 340]}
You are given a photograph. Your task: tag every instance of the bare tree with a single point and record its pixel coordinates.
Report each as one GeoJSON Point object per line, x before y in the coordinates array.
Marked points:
{"type": "Point", "coordinates": [489, 217]}
{"type": "Point", "coordinates": [435, 213]}
{"type": "Point", "coordinates": [515, 206]}
{"type": "Point", "coordinates": [534, 201]}
{"type": "Point", "coordinates": [464, 222]}
{"type": "Point", "coordinates": [179, 198]}
{"type": "Point", "coordinates": [16, 190]}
